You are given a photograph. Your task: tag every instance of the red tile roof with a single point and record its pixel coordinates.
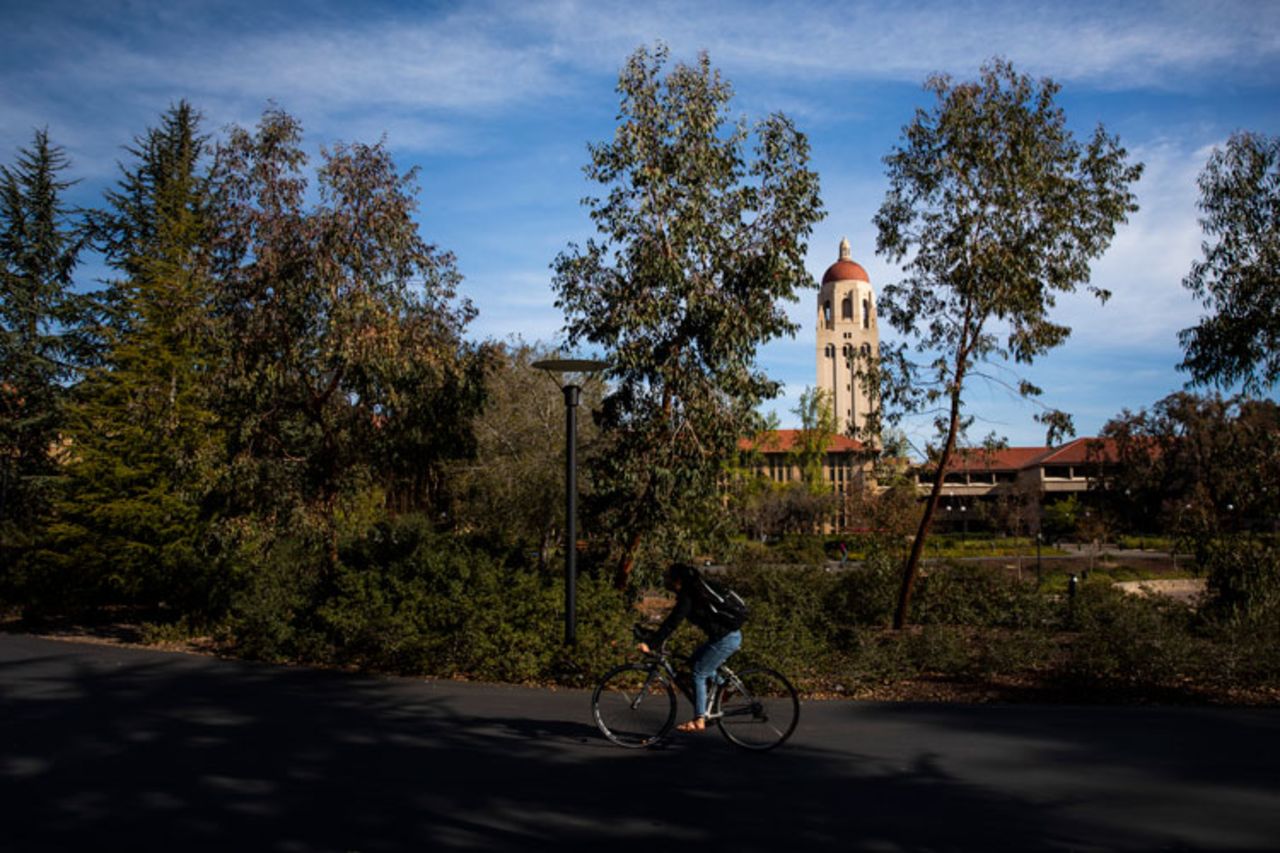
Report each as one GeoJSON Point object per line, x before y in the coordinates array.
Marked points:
{"type": "Point", "coordinates": [1004, 459]}
{"type": "Point", "coordinates": [783, 440]}
{"type": "Point", "coordinates": [1082, 450]}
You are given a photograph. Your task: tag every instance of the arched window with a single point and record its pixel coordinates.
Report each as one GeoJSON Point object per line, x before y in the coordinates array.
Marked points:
{"type": "Point", "coordinates": [830, 351]}
{"type": "Point", "coordinates": [866, 350]}
{"type": "Point", "coordinates": [846, 308]}
{"type": "Point", "coordinates": [848, 350]}
{"type": "Point", "coordinates": [866, 313]}
{"type": "Point", "coordinates": [826, 311]}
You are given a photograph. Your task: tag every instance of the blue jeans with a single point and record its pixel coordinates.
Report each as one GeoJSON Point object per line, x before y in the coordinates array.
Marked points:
{"type": "Point", "coordinates": [705, 661]}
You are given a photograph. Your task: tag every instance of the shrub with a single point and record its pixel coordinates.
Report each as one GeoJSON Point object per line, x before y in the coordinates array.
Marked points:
{"type": "Point", "coordinates": [791, 625]}
{"type": "Point", "coordinates": [407, 599]}
{"type": "Point", "coordinates": [1243, 579]}
{"type": "Point", "coordinates": [1129, 641]}
{"type": "Point", "coordinates": [971, 594]}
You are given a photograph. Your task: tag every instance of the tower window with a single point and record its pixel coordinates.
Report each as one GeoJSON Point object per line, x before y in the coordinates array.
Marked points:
{"type": "Point", "coordinates": [866, 313]}
{"type": "Point", "coordinates": [846, 308]}
{"type": "Point", "coordinates": [826, 311]}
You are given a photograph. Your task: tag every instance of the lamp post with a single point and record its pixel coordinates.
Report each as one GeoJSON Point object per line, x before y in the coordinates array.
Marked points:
{"type": "Point", "coordinates": [571, 373]}
{"type": "Point", "coordinates": [1039, 574]}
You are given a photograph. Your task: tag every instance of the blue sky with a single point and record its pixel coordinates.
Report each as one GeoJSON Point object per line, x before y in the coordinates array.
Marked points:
{"type": "Point", "coordinates": [497, 101]}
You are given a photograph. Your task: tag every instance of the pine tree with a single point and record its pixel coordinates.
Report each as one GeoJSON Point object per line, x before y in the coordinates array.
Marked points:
{"type": "Point", "coordinates": [40, 324]}
{"type": "Point", "coordinates": [146, 442]}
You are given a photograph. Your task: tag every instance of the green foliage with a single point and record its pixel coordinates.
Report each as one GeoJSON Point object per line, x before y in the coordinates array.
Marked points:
{"type": "Point", "coordinates": [42, 323]}
{"type": "Point", "coordinates": [864, 595]}
{"type": "Point", "coordinates": [1238, 276]}
{"type": "Point", "coordinates": [1061, 517]}
{"type": "Point", "coordinates": [818, 426]}
{"type": "Point", "coordinates": [1125, 640]}
{"type": "Point", "coordinates": [407, 599]}
{"type": "Point", "coordinates": [791, 624]}
{"type": "Point", "coordinates": [1243, 573]}
{"type": "Point", "coordinates": [700, 249]}
{"type": "Point", "coordinates": [146, 445]}
{"type": "Point", "coordinates": [996, 209]}
{"type": "Point", "coordinates": [970, 594]}
{"type": "Point", "coordinates": [345, 364]}
{"type": "Point", "coordinates": [512, 492]}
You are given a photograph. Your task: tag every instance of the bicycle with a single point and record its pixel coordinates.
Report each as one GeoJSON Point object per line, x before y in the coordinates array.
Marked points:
{"type": "Point", "coordinates": [634, 705]}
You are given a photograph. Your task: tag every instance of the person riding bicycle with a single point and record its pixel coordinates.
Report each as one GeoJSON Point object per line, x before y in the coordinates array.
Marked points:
{"type": "Point", "coordinates": [723, 636]}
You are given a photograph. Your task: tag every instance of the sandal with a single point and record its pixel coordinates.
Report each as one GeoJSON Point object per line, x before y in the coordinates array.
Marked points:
{"type": "Point", "coordinates": [697, 724]}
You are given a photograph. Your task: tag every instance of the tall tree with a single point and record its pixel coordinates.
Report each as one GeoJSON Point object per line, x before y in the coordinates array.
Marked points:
{"type": "Point", "coordinates": [345, 356]}
{"type": "Point", "coordinates": [40, 322]}
{"type": "Point", "coordinates": [1208, 468]}
{"type": "Point", "coordinates": [698, 249]}
{"type": "Point", "coordinates": [147, 444]}
{"type": "Point", "coordinates": [513, 490]}
{"type": "Point", "coordinates": [1238, 279]}
{"type": "Point", "coordinates": [997, 208]}
{"type": "Point", "coordinates": [818, 425]}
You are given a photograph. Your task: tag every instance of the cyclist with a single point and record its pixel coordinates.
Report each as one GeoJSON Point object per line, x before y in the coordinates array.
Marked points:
{"type": "Point", "coordinates": [723, 635]}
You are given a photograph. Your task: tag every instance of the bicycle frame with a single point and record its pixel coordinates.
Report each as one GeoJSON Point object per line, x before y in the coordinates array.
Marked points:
{"type": "Point", "coordinates": [660, 662]}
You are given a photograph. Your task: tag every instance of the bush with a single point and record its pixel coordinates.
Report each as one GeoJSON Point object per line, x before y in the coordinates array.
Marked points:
{"type": "Point", "coordinates": [1129, 641]}
{"type": "Point", "coordinates": [1243, 579]}
{"type": "Point", "coordinates": [791, 626]}
{"type": "Point", "coordinates": [971, 594]}
{"type": "Point", "coordinates": [406, 599]}
{"type": "Point", "coordinates": [867, 594]}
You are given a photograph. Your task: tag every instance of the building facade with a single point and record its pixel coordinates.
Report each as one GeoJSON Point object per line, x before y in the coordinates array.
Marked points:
{"type": "Point", "coordinates": [848, 340]}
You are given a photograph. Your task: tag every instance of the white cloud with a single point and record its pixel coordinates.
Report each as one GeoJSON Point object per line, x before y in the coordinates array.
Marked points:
{"type": "Point", "coordinates": [1149, 257]}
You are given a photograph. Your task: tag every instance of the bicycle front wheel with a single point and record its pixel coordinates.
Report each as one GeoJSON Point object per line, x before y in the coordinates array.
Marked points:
{"type": "Point", "coordinates": [634, 706]}
{"type": "Point", "coordinates": [758, 710]}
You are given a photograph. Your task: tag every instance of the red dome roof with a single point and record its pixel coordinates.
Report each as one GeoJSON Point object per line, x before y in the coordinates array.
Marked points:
{"type": "Point", "coordinates": [845, 270]}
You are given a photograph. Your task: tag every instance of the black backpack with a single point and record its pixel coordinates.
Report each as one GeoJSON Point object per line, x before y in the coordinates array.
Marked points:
{"type": "Point", "coordinates": [725, 606]}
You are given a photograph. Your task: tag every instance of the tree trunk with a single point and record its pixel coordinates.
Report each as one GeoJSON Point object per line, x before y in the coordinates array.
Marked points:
{"type": "Point", "coordinates": [628, 561]}
{"type": "Point", "coordinates": [909, 571]}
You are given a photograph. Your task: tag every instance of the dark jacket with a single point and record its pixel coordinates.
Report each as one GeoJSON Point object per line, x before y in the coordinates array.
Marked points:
{"type": "Point", "coordinates": [692, 606]}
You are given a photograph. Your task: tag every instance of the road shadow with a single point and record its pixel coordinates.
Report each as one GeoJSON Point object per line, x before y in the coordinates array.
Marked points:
{"type": "Point", "coordinates": [152, 751]}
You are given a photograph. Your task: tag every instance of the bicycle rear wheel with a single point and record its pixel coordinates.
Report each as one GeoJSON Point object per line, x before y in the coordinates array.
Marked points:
{"type": "Point", "coordinates": [759, 710]}
{"type": "Point", "coordinates": [634, 706]}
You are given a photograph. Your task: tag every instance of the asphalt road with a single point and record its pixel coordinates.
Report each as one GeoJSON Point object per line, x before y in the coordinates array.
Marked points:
{"type": "Point", "coordinates": [108, 748]}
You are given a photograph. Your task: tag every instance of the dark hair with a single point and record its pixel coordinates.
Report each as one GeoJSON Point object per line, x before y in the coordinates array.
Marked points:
{"type": "Point", "coordinates": [683, 572]}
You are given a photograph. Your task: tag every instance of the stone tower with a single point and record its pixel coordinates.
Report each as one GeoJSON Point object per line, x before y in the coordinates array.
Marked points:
{"type": "Point", "coordinates": [846, 328]}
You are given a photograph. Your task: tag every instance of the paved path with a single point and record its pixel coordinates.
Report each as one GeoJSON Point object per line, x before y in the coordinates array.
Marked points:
{"type": "Point", "coordinates": [108, 748]}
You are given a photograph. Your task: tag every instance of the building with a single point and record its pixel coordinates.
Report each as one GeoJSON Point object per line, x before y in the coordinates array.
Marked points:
{"type": "Point", "coordinates": [847, 340]}
{"type": "Point", "coordinates": [1039, 475]}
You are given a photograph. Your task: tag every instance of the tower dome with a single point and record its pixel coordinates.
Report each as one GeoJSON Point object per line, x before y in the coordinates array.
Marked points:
{"type": "Point", "coordinates": [845, 269]}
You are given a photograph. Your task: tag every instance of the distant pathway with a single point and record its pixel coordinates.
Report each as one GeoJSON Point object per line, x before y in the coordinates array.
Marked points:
{"type": "Point", "coordinates": [105, 748]}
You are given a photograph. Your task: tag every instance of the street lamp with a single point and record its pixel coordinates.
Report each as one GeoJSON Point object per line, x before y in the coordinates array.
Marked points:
{"type": "Point", "coordinates": [571, 372]}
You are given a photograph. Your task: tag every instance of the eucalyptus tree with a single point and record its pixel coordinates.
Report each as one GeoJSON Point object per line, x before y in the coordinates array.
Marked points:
{"type": "Point", "coordinates": [41, 320]}
{"type": "Point", "coordinates": [995, 209]}
{"type": "Point", "coordinates": [1238, 279]}
{"type": "Point", "coordinates": [512, 492]}
{"type": "Point", "coordinates": [345, 372]}
{"type": "Point", "coordinates": [700, 242]}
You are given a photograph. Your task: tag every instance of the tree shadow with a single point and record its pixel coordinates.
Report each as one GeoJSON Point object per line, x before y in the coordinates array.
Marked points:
{"type": "Point", "coordinates": [160, 751]}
